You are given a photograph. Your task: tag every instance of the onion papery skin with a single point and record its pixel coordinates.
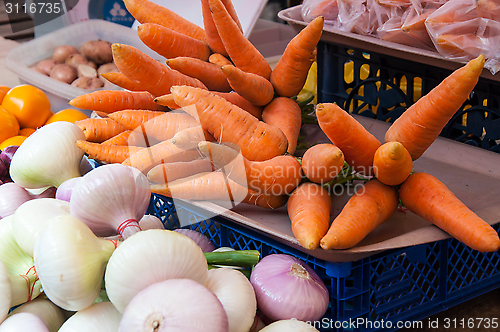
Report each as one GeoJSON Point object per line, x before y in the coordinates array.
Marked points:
{"type": "Point", "coordinates": [70, 262]}
{"type": "Point", "coordinates": [31, 217]}
{"type": "Point", "coordinates": [51, 315]}
{"type": "Point", "coordinates": [5, 291]}
{"type": "Point", "coordinates": [99, 317]}
{"type": "Point", "coordinates": [110, 198]}
{"type": "Point", "coordinates": [48, 157]}
{"type": "Point", "coordinates": [150, 222]}
{"type": "Point", "coordinates": [283, 295]}
{"type": "Point", "coordinates": [204, 242]}
{"type": "Point", "coordinates": [15, 259]}
{"type": "Point", "coordinates": [148, 257]}
{"type": "Point", "coordinates": [237, 296]}
{"type": "Point", "coordinates": [289, 325]}
{"type": "Point", "coordinates": [175, 305]}
{"type": "Point", "coordinates": [66, 188]}
{"type": "Point", "coordinates": [23, 322]}
{"type": "Point", "coordinates": [12, 196]}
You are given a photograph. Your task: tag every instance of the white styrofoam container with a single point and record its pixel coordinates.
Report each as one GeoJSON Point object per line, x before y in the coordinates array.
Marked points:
{"type": "Point", "coordinates": [25, 55]}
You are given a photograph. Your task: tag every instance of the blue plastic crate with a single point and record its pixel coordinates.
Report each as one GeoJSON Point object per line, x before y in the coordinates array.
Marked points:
{"type": "Point", "coordinates": [382, 87]}
{"type": "Point", "coordinates": [403, 285]}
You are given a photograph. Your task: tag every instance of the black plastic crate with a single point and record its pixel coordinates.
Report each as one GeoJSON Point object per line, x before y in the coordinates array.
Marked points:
{"type": "Point", "coordinates": [383, 87]}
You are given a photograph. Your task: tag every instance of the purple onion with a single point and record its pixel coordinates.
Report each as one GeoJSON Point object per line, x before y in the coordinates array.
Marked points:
{"type": "Point", "coordinates": [201, 240]}
{"type": "Point", "coordinates": [3, 169]}
{"type": "Point", "coordinates": [7, 154]}
{"type": "Point", "coordinates": [64, 191]}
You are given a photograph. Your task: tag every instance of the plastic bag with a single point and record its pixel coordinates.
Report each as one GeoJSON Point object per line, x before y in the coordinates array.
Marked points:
{"type": "Point", "coordinates": [326, 8]}
{"type": "Point", "coordinates": [461, 30]}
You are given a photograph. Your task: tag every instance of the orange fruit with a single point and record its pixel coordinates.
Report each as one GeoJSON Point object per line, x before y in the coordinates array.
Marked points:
{"type": "Point", "coordinates": [29, 105]}
{"type": "Point", "coordinates": [14, 140]}
{"type": "Point", "coordinates": [4, 88]}
{"type": "Point", "coordinates": [26, 131]}
{"type": "Point", "coordinates": [2, 94]}
{"type": "Point", "coordinates": [68, 115]}
{"type": "Point", "coordinates": [8, 125]}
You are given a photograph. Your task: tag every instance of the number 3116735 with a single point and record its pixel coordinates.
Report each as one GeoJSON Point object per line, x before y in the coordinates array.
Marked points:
{"type": "Point", "coordinates": [33, 8]}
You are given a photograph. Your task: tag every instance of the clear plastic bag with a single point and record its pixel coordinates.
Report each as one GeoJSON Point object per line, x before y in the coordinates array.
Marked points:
{"type": "Point", "coordinates": [463, 29]}
{"type": "Point", "coordinates": [314, 8]}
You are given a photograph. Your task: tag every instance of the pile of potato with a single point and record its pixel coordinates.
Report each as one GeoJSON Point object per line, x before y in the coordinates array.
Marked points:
{"type": "Point", "coordinates": [82, 68]}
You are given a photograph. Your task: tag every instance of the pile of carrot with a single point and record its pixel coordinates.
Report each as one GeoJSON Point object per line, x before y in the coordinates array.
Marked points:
{"type": "Point", "coordinates": [217, 123]}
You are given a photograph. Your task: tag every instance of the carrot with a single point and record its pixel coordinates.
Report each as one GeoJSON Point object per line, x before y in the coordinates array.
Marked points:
{"type": "Point", "coordinates": [458, 45]}
{"type": "Point", "coordinates": [99, 130]}
{"type": "Point", "coordinates": [120, 139]}
{"type": "Point", "coordinates": [229, 123]}
{"type": "Point", "coordinates": [423, 121]}
{"type": "Point", "coordinates": [219, 60]}
{"type": "Point", "coordinates": [162, 152]}
{"type": "Point", "coordinates": [235, 99]}
{"type": "Point", "coordinates": [208, 73]}
{"type": "Point", "coordinates": [290, 73]}
{"type": "Point", "coordinates": [168, 172]}
{"type": "Point", "coordinates": [285, 114]}
{"type": "Point", "coordinates": [254, 88]}
{"type": "Point", "coordinates": [146, 11]}
{"type": "Point", "coordinates": [392, 163]}
{"type": "Point", "coordinates": [190, 137]}
{"type": "Point", "coordinates": [321, 163]}
{"type": "Point", "coordinates": [265, 200]}
{"type": "Point", "coordinates": [168, 101]}
{"type": "Point", "coordinates": [107, 153]}
{"type": "Point", "coordinates": [241, 51]}
{"type": "Point", "coordinates": [426, 196]}
{"type": "Point", "coordinates": [122, 81]}
{"type": "Point", "coordinates": [132, 119]}
{"type": "Point", "coordinates": [165, 126]}
{"type": "Point", "coordinates": [212, 35]}
{"type": "Point", "coordinates": [170, 44]}
{"type": "Point", "coordinates": [309, 208]}
{"type": "Point", "coordinates": [357, 144]}
{"type": "Point", "coordinates": [110, 101]}
{"type": "Point", "coordinates": [149, 73]}
{"type": "Point", "coordinates": [368, 208]}
{"type": "Point", "coordinates": [277, 176]}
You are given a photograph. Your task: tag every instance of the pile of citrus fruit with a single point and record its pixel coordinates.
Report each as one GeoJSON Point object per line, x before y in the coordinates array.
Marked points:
{"type": "Point", "coordinates": [25, 108]}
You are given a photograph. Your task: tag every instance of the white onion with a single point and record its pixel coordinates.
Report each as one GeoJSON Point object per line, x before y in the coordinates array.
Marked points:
{"type": "Point", "coordinates": [111, 199]}
{"type": "Point", "coordinates": [23, 322]}
{"type": "Point", "coordinates": [12, 196]}
{"type": "Point", "coordinates": [99, 317]}
{"type": "Point", "coordinates": [204, 242]}
{"type": "Point", "coordinates": [288, 288]}
{"type": "Point", "coordinates": [237, 296]}
{"type": "Point", "coordinates": [148, 257]}
{"type": "Point", "coordinates": [175, 305]}
{"type": "Point", "coordinates": [5, 290]}
{"type": "Point", "coordinates": [150, 222]}
{"type": "Point", "coordinates": [51, 315]}
{"type": "Point", "coordinates": [31, 217]}
{"type": "Point", "coordinates": [289, 325]}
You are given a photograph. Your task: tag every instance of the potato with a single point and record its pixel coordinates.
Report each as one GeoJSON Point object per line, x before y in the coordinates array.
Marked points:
{"type": "Point", "coordinates": [98, 51]}
{"type": "Point", "coordinates": [107, 68]}
{"type": "Point", "coordinates": [76, 59]}
{"type": "Point", "coordinates": [35, 68]}
{"type": "Point", "coordinates": [92, 64]}
{"type": "Point", "coordinates": [62, 52]}
{"type": "Point", "coordinates": [86, 71]}
{"type": "Point", "coordinates": [64, 73]}
{"type": "Point", "coordinates": [46, 66]}
{"type": "Point", "coordinates": [88, 83]}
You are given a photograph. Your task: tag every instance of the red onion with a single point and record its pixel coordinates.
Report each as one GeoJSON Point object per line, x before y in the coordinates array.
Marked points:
{"type": "Point", "coordinates": [63, 192]}
{"type": "Point", "coordinates": [204, 242]}
{"type": "Point", "coordinates": [174, 305]}
{"type": "Point", "coordinates": [7, 154]}
{"type": "Point", "coordinates": [3, 169]}
{"type": "Point", "coordinates": [288, 288]}
{"type": "Point", "coordinates": [11, 197]}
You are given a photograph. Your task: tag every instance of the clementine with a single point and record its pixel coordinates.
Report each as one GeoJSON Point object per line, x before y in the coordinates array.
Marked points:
{"type": "Point", "coordinates": [8, 125]}
{"type": "Point", "coordinates": [29, 105]}
{"type": "Point", "coordinates": [68, 115]}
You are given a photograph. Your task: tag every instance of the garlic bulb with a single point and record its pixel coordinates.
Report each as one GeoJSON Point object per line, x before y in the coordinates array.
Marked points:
{"type": "Point", "coordinates": [99, 317]}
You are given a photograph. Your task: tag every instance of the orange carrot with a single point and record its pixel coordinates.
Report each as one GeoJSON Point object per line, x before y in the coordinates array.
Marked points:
{"type": "Point", "coordinates": [146, 11]}
{"type": "Point", "coordinates": [357, 144]}
{"type": "Point", "coordinates": [241, 51]}
{"type": "Point", "coordinates": [122, 81]}
{"type": "Point", "coordinates": [165, 126]}
{"type": "Point", "coordinates": [321, 163]}
{"type": "Point", "coordinates": [149, 73]}
{"type": "Point", "coordinates": [392, 163]}
{"type": "Point", "coordinates": [208, 73]}
{"type": "Point", "coordinates": [309, 208]}
{"type": "Point", "coordinates": [169, 172]}
{"type": "Point", "coordinates": [254, 88]}
{"type": "Point", "coordinates": [219, 60]}
{"type": "Point", "coordinates": [99, 130]}
{"type": "Point", "coordinates": [277, 176]}
{"type": "Point", "coordinates": [168, 101]}
{"type": "Point", "coordinates": [132, 119]}
{"type": "Point", "coordinates": [235, 99]}
{"type": "Point", "coordinates": [426, 196]}
{"type": "Point", "coordinates": [290, 73]}
{"type": "Point", "coordinates": [372, 205]}
{"type": "Point", "coordinates": [285, 114]}
{"type": "Point", "coordinates": [107, 153]}
{"type": "Point", "coordinates": [229, 123]}
{"type": "Point", "coordinates": [212, 35]}
{"type": "Point", "coordinates": [162, 152]}
{"type": "Point", "coordinates": [120, 139]}
{"type": "Point", "coordinates": [110, 101]}
{"type": "Point", "coordinates": [265, 200]}
{"type": "Point", "coordinates": [423, 121]}
{"type": "Point", "coordinates": [170, 44]}
{"type": "Point", "coordinates": [190, 137]}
